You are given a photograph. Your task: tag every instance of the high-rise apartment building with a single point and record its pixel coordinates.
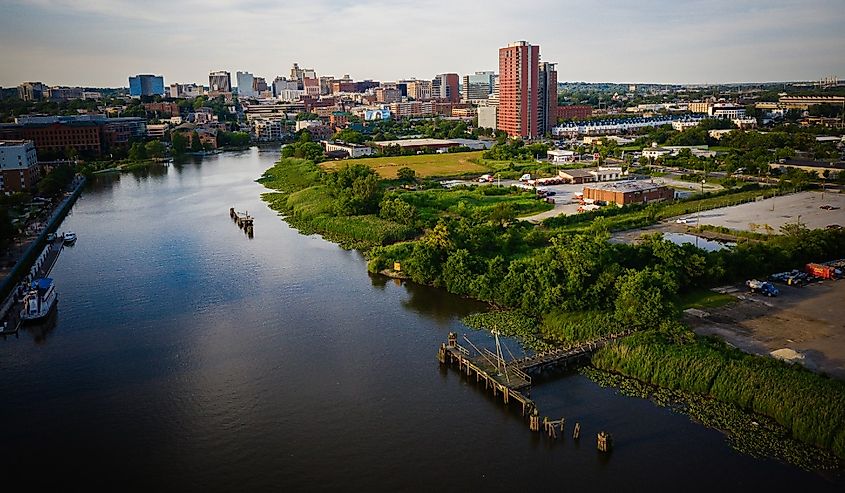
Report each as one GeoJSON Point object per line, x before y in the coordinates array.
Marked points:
{"type": "Point", "coordinates": [477, 86]}
{"type": "Point", "coordinates": [518, 89]}
{"type": "Point", "coordinates": [527, 91]}
{"type": "Point", "coordinates": [245, 82]}
{"type": "Point", "coordinates": [219, 82]}
{"type": "Point", "coordinates": [547, 98]}
{"type": "Point", "coordinates": [146, 85]}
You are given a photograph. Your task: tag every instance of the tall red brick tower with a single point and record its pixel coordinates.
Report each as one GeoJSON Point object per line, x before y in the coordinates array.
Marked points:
{"type": "Point", "coordinates": [519, 90]}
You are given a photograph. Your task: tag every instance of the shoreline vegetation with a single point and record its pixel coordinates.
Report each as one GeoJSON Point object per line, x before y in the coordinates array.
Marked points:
{"type": "Point", "coordinates": [563, 282]}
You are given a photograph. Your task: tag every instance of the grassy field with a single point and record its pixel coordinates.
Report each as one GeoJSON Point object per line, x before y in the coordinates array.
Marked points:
{"type": "Point", "coordinates": [704, 299]}
{"type": "Point", "coordinates": [425, 165]}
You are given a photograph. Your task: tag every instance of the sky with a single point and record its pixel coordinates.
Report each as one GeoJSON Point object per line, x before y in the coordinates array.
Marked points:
{"type": "Point", "coordinates": [100, 43]}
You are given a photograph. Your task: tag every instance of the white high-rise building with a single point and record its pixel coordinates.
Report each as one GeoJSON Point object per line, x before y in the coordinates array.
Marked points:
{"type": "Point", "coordinates": [245, 82]}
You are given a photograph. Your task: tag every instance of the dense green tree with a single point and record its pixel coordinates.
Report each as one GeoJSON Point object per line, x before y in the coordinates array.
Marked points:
{"type": "Point", "coordinates": [644, 298]}
{"type": "Point", "coordinates": [179, 143]}
{"type": "Point", "coordinates": [154, 149]}
{"type": "Point", "coordinates": [196, 143]}
{"type": "Point", "coordinates": [406, 174]}
{"type": "Point", "coordinates": [350, 136]}
{"type": "Point", "coordinates": [138, 152]}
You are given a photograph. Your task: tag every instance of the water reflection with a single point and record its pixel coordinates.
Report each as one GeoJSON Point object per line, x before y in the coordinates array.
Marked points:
{"type": "Point", "coordinates": [41, 329]}
{"type": "Point", "coordinates": [437, 304]}
{"type": "Point", "coordinates": [703, 243]}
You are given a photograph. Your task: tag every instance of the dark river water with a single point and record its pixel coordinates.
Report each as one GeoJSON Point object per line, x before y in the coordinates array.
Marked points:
{"type": "Point", "coordinates": [186, 356]}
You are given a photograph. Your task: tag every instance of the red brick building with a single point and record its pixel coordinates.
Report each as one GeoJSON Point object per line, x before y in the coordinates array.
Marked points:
{"type": "Point", "coordinates": [574, 112]}
{"type": "Point", "coordinates": [628, 192]}
{"type": "Point", "coordinates": [162, 109]}
{"type": "Point", "coordinates": [518, 91]}
{"type": "Point", "coordinates": [55, 138]}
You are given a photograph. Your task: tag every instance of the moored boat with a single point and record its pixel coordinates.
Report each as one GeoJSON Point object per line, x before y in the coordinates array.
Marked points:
{"type": "Point", "coordinates": [70, 237]}
{"type": "Point", "coordinates": [39, 300]}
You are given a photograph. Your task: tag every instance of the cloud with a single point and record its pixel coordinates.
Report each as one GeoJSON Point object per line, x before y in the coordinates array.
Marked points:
{"type": "Point", "coordinates": [664, 41]}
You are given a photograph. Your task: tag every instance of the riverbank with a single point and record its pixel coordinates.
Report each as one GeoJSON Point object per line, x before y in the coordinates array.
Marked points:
{"type": "Point", "coordinates": [573, 282]}
{"type": "Point", "coordinates": [32, 247]}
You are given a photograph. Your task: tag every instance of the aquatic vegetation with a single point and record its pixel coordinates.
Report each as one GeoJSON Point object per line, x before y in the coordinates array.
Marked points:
{"type": "Point", "coordinates": [749, 433]}
{"type": "Point", "coordinates": [809, 406]}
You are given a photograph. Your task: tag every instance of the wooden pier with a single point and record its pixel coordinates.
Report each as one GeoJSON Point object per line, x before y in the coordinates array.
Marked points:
{"type": "Point", "coordinates": [513, 379]}
{"type": "Point", "coordinates": [243, 220]}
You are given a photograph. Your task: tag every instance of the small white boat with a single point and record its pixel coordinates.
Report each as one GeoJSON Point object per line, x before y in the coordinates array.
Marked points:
{"type": "Point", "coordinates": [70, 237]}
{"type": "Point", "coordinates": [39, 300]}
{"type": "Point", "coordinates": [51, 237]}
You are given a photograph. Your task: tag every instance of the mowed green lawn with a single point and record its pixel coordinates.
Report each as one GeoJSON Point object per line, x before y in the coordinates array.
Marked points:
{"type": "Point", "coordinates": [425, 165]}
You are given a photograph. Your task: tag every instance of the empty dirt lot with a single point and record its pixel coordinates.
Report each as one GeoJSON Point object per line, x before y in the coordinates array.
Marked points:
{"type": "Point", "coordinates": [809, 320]}
{"type": "Point", "coordinates": [777, 211]}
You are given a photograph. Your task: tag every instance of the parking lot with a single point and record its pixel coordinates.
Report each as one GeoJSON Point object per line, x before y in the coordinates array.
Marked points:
{"type": "Point", "coordinates": [803, 207]}
{"type": "Point", "coordinates": [809, 320]}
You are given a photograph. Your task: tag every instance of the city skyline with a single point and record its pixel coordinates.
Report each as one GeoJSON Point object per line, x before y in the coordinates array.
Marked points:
{"type": "Point", "coordinates": [690, 42]}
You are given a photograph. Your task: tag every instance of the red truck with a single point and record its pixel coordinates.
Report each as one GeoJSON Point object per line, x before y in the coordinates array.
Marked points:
{"type": "Point", "coordinates": [821, 271]}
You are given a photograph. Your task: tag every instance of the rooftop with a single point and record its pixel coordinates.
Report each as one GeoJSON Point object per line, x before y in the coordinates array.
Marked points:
{"type": "Point", "coordinates": [417, 142]}
{"type": "Point", "coordinates": [626, 186]}
{"type": "Point", "coordinates": [13, 143]}
{"type": "Point", "coordinates": [814, 164]}
{"type": "Point", "coordinates": [577, 173]}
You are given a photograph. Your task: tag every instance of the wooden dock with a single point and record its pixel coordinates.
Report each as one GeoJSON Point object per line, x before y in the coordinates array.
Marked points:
{"type": "Point", "coordinates": [243, 220]}
{"type": "Point", "coordinates": [513, 379]}
{"type": "Point", "coordinates": [507, 382]}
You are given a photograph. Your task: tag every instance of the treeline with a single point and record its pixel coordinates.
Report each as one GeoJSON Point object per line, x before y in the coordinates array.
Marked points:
{"type": "Point", "coordinates": [810, 406]}
{"type": "Point", "coordinates": [516, 266]}
{"type": "Point", "coordinates": [515, 150]}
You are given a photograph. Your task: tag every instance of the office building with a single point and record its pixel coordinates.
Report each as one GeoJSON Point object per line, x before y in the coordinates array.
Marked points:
{"type": "Point", "coordinates": [477, 86]}
{"type": "Point", "coordinates": [146, 85]}
{"type": "Point", "coordinates": [245, 81]}
{"type": "Point", "coordinates": [311, 86]}
{"type": "Point", "coordinates": [19, 168]}
{"type": "Point", "coordinates": [185, 91]}
{"type": "Point", "coordinates": [299, 74]}
{"type": "Point", "coordinates": [419, 89]}
{"type": "Point", "coordinates": [519, 103]}
{"type": "Point", "coordinates": [726, 110]}
{"type": "Point", "coordinates": [32, 91]}
{"type": "Point", "coordinates": [219, 82]}
{"type": "Point", "coordinates": [60, 93]}
{"type": "Point", "coordinates": [445, 88]}
{"type": "Point", "coordinates": [387, 95]}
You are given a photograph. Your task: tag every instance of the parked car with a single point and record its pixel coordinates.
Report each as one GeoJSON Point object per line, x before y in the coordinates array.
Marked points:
{"type": "Point", "coordinates": [762, 287]}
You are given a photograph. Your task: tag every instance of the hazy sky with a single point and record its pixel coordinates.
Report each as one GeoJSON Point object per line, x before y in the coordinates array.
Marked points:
{"type": "Point", "coordinates": [102, 42]}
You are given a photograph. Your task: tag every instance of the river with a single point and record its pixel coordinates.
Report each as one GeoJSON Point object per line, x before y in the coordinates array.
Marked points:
{"type": "Point", "coordinates": [186, 356]}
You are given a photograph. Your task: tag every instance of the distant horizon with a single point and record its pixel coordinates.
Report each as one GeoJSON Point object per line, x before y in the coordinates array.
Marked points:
{"type": "Point", "coordinates": [269, 81]}
{"type": "Point", "coordinates": [100, 43]}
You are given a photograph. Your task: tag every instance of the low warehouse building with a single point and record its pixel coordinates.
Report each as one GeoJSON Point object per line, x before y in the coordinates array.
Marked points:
{"type": "Point", "coordinates": [628, 192]}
